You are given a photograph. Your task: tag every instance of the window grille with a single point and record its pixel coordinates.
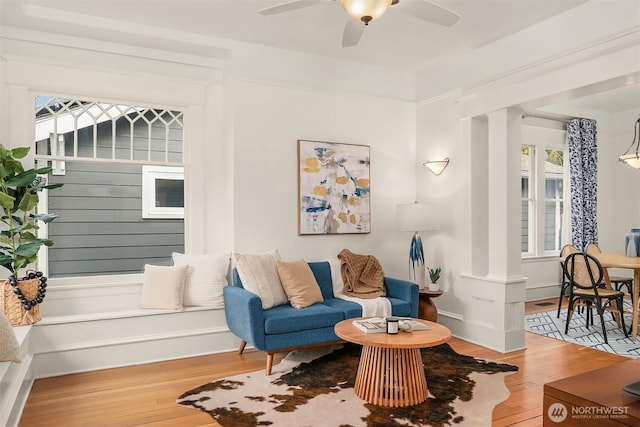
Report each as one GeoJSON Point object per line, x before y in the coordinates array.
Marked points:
{"type": "Point", "coordinates": [100, 131]}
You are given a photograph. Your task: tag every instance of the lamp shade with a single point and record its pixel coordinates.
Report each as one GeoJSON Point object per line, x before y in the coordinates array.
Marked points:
{"type": "Point", "coordinates": [436, 166]}
{"type": "Point", "coordinates": [416, 217]}
{"type": "Point", "coordinates": [632, 160]}
{"type": "Point", "coordinates": [365, 10]}
{"type": "Point", "coordinates": [629, 157]}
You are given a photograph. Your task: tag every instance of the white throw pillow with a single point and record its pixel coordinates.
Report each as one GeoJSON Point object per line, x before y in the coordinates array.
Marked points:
{"type": "Point", "coordinates": [336, 276]}
{"type": "Point", "coordinates": [259, 274]}
{"type": "Point", "coordinates": [163, 287]}
{"type": "Point", "coordinates": [9, 347]}
{"type": "Point", "coordinates": [206, 277]}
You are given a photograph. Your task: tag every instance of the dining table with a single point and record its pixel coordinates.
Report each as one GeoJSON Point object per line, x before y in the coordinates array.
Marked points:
{"type": "Point", "coordinates": [620, 260]}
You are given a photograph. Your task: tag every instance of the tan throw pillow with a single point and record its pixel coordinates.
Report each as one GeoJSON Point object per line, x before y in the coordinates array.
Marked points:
{"type": "Point", "coordinates": [299, 283]}
{"type": "Point", "coordinates": [206, 278]}
{"type": "Point", "coordinates": [259, 275]}
{"type": "Point", "coordinates": [163, 287]}
{"type": "Point", "coordinates": [9, 347]}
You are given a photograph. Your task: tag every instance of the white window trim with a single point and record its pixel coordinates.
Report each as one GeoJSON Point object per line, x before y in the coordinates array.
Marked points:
{"type": "Point", "coordinates": [151, 173]}
{"type": "Point", "coordinates": [532, 202]}
{"type": "Point", "coordinates": [542, 138]}
{"type": "Point", "coordinates": [184, 93]}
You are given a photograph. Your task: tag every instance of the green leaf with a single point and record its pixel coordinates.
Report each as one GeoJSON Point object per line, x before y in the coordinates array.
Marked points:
{"type": "Point", "coordinates": [20, 263]}
{"type": "Point", "coordinates": [13, 166]}
{"type": "Point", "coordinates": [28, 226]}
{"type": "Point", "coordinates": [20, 152]}
{"type": "Point", "coordinates": [14, 218]}
{"type": "Point", "coordinates": [44, 171]}
{"type": "Point", "coordinates": [20, 228]}
{"type": "Point", "coordinates": [53, 186]}
{"type": "Point", "coordinates": [29, 202]}
{"type": "Point", "coordinates": [5, 240]}
{"type": "Point", "coordinates": [5, 259]}
{"type": "Point", "coordinates": [28, 236]}
{"type": "Point", "coordinates": [6, 201]}
{"type": "Point", "coordinates": [23, 179]}
{"type": "Point", "coordinates": [29, 249]}
{"type": "Point", "coordinates": [46, 218]}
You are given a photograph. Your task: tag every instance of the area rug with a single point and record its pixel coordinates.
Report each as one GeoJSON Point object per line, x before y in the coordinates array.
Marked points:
{"type": "Point", "coordinates": [548, 325]}
{"type": "Point", "coordinates": [315, 388]}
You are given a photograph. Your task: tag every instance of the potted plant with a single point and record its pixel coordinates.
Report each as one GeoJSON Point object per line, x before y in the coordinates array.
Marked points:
{"type": "Point", "coordinates": [21, 293]}
{"type": "Point", "coordinates": [434, 275]}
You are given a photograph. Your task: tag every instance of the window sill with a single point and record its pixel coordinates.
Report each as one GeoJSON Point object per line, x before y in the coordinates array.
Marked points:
{"type": "Point", "coordinates": [539, 258]}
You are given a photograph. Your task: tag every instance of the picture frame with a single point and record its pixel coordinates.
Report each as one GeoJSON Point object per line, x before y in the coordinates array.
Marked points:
{"type": "Point", "coordinates": [334, 188]}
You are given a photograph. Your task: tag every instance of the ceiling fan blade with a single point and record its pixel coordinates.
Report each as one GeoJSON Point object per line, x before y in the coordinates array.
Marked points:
{"type": "Point", "coordinates": [287, 7]}
{"type": "Point", "coordinates": [427, 11]}
{"type": "Point", "coordinates": [352, 32]}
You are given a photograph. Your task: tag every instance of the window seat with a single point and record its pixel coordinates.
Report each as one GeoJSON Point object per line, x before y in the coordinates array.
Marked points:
{"type": "Point", "coordinates": [88, 317]}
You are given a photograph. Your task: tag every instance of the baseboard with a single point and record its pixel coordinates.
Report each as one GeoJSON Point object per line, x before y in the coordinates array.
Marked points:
{"type": "Point", "coordinates": [497, 340]}
{"type": "Point", "coordinates": [551, 290]}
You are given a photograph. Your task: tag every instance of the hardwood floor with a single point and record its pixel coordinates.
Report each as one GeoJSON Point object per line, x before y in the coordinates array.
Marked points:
{"type": "Point", "coordinates": [146, 394]}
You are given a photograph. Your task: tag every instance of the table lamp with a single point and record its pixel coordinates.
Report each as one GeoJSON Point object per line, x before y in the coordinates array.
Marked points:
{"type": "Point", "coordinates": [416, 217]}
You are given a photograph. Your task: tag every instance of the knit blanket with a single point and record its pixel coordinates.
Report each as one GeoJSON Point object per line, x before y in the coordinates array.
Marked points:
{"type": "Point", "coordinates": [371, 307]}
{"type": "Point", "coordinates": [362, 275]}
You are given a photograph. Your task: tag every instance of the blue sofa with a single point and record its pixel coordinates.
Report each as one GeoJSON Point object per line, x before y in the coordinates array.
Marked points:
{"type": "Point", "coordinates": [284, 328]}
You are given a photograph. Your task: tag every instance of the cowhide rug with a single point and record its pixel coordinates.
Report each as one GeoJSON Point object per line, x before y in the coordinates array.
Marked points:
{"type": "Point", "coordinates": [315, 388]}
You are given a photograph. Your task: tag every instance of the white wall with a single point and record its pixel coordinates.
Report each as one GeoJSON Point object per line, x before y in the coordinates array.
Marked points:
{"type": "Point", "coordinates": [267, 122]}
{"type": "Point", "coordinates": [439, 136]}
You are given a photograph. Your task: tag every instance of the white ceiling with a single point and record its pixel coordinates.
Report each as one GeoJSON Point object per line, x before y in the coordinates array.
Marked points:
{"type": "Point", "coordinates": [394, 41]}
{"type": "Point", "coordinates": [611, 101]}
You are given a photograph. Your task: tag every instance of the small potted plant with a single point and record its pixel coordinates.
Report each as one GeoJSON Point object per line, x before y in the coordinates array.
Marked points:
{"type": "Point", "coordinates": [434, 275]}
{"type": "Point", "coordinates": [21, 293]}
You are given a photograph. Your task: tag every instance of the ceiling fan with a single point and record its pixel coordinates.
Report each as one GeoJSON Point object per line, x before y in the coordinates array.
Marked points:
{"type": "Point", "coordinates": [362, 12]}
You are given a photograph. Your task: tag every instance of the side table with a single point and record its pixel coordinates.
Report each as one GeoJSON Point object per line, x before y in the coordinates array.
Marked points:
{"type": "Point", "coordinates": [426, 308]}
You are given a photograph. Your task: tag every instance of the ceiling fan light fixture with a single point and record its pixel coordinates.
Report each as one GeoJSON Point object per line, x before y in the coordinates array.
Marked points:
{"type": "Point", "coordinates": [365, 10]}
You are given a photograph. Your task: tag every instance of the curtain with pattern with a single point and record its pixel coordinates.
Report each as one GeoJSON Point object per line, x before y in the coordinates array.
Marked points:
{"type": "Point", "coordinates": [583, 168]}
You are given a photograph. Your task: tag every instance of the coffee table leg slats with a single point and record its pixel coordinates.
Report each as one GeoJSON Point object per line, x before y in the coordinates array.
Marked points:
{"type": "Point", "coordinates": [391, 376]}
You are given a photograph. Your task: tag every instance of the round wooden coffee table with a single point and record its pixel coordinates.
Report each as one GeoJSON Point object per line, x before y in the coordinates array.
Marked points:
{"type": "Point", "coordinates": [390, 372]}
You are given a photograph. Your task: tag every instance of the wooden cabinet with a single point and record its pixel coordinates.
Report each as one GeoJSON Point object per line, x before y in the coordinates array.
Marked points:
{"type": "Point", "coordinates": [594, 399]}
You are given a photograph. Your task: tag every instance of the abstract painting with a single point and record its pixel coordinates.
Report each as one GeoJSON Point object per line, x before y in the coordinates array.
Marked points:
{"type": "Point", "coordinates": [333, 188]}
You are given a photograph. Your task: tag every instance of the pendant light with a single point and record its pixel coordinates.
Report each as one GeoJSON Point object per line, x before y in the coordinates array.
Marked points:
{"type": "Point", "coordinates": [633, 159]}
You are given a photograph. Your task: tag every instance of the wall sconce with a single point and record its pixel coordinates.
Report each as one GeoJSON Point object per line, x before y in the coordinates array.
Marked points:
{"type": "Point", "coordinates": [633, 159]}
{"type": "Point", "coordinates": [436, 166]}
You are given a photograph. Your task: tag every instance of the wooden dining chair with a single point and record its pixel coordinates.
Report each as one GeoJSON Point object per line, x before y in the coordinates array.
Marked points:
{"type": "Point", "coordinates": [618, 282]}
{"type": "Point", "coordinates": [585, 277]}
{"type": "Point", "coordinates": [564, 286]}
